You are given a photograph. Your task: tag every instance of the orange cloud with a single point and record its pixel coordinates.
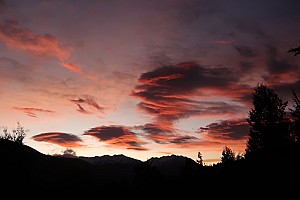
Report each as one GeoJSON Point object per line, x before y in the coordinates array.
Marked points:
{"type": "Point", "coordinates": [73, 67]}
{"type": "Point", "coordinates": [20, 38]}
{"type": "Point", "coordinates": [62, 139]}
{"type": "Point", "coordinates": [32, 111]}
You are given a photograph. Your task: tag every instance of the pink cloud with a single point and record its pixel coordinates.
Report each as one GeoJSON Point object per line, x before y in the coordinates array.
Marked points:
{"type": "Point", "coordinates": [32, 111]}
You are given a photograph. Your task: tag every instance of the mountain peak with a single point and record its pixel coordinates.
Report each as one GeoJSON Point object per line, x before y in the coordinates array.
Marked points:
{"type": "Point", "coordinates": [111, 159]}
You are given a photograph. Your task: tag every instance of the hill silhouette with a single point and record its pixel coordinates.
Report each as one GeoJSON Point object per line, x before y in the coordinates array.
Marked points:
{"type": "Point", "coordinates": [121, 175]}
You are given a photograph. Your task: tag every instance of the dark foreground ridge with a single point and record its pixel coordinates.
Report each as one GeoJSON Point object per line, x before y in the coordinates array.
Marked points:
{"type": "Point", "coordinates": [26, 170]}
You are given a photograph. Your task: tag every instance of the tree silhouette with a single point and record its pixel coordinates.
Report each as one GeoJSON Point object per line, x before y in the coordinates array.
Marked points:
{"type": "Point", "coordinates": [200, 160]}
{"type": "Point", "coordinates": [295, 50]}
{"type": "Point", "coordinates": [268, 129]}
{"type": "Point", "coordinates": [228, 156]}
{"type": "Point", "coordinates": [295, 111]}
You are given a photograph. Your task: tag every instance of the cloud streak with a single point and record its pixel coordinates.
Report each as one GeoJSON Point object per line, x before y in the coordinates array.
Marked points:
{"type": "Point", "coordinates": [32, 112]}
{"type": "Point", "coordinates": [86, 100]}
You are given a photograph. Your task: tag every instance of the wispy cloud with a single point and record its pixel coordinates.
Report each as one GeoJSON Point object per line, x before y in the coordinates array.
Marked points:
{"type": "Point", "coordinates": [59, 138]}
{"type": "Point", "coordinates": [32, 112]}
{"type": "Point", "coordinates": [17, 37]}
{"type": "Point", "coordinates": [86, 100]}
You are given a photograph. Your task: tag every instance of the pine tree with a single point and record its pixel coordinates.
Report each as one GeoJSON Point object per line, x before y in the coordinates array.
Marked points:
{"type": "Point", "coordinates": [268, 129]}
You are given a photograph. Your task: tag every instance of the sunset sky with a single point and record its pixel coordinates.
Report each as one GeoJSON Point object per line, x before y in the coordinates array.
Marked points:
{"type": "Point", "coordinates": [142, 78]}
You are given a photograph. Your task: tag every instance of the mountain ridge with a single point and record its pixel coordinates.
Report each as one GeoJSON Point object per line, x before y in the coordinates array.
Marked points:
{"type": "Point", "coordinates": [49, 172]}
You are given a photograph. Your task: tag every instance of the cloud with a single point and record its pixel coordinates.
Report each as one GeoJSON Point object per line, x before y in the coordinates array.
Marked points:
{"type": "Point", "coordinates": [183, 139]}
{"type": "Point", "coordinates": [237, 129]}
{"type": "Point", "coordinates": [245, 51]}
{"type": "Point", "coordinates": [62, 139]}
{"type": "Point", "coordinates": [171, 93]}
{"type": "Point", "coordinates": [17, 37]}
{"type": "Point", "coordinates": [277, 65]}
{"type": "Point", "coordinates": [32, 111]}
{"type": "Point", "coordinates": [117, 136]}
{"type": "Point", "coordinates": [87, 100]}
{"type": "Point", "coordinates": [82, 110]}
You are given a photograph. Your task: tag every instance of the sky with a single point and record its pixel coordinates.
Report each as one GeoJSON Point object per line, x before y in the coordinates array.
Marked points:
{"type": "Point", "coordinates": [142, 78]}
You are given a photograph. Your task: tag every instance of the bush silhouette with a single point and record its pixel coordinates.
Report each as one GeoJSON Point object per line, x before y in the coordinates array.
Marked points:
{"type": "Point", "coordinates": [17, 135]}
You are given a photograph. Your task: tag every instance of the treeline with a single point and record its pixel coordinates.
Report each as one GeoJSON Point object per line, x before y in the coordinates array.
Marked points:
{"type": "Point", "coordinates": [274, 133]}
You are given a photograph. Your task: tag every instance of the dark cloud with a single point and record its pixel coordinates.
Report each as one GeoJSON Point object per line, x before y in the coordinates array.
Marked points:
{"type": "Point", "coordinates": [117, 135]}
{"type": "Point", "coordinates": [107, 132]}
{"type": "Point", "coordinates": [185, 78]}
{"type": "Point", "coordinates": [168, 93]}
{"type": "Point", "coordinates": [277, 65]}
{"type": "Point", "coordinates": [32, 111]}
{"type": "Point", "coordinates": [189, 11]}
{"type": "Point", "coordinates": [284, 90]}
{"type": "Point", "coordinates": [82, 110]}
{"type": "Point", "coordinates": [62, 139]}
{"type": "Point", "coordinates": [155, 129]}
{"type": "Point", "coordinates": [246, 66]}
{"type": "Point", "coordinates": [227, 129]}
{"type": "Point", "coordinates": [183, 139]}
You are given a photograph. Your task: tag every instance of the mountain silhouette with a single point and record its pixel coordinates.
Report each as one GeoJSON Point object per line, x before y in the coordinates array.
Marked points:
{"type": "Point", "coordinates": [26, 166]}
{"type": "Point", "coordinates": [24, 169]}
